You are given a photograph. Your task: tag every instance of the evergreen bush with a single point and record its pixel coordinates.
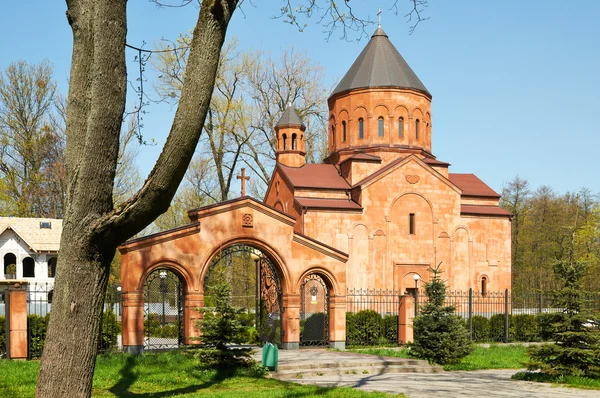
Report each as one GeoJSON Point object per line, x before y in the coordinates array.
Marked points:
{"type": "Point", "coordinates": [544, 322]}
{"type": "Point", "coordinates": [576, 348]}
{"type": "Point", "coordinates": [526, 327]}
{"type": "Point", "coordinates": [389, 328]}
{"type": "Point", "coordinates": [497, 328]}
{"type": "Point", "coordinates": [222, 326]}
{"type": "Point", "coordinates": [2, 335]}
{"type": "Point", "coordinates": [481, 329]}
{"type": "Point", "coordinates": [363, 327]}
{"type": "Point", "coordinates": [439, 335]}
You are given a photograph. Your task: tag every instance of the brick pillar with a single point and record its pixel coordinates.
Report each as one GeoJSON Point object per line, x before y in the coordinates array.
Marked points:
{"type": "Point", "coordinates": [406, 312]}
{"type": "Point", "coordinates": [337, 322]}
{"type": "Point", "coordinates": [133, 322]}
{"type": "Point", "coordinates": [291, 322]}
{"type": "Point", "coordinates": [193, 301]}
{"type": "Point", "coordinates": [16, 342]}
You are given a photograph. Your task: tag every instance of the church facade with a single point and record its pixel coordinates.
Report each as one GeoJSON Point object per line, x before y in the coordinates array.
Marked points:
{"type": "Point", "coordinates": [382, 196]}
{"type": "Point", "coordinates": [374, 216]}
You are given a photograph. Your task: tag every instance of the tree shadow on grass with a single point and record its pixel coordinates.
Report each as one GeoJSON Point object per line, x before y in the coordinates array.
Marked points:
{"type": "Point", "coordinates": [129, 377]}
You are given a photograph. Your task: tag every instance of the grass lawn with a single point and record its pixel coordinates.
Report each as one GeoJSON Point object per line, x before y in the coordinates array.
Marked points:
{"type": "Point", "coordinates": [170, 374]}
{"type": "Point", "coordinates": [568, 381]}
{"type": "Point", "coordinates": [495, 357]}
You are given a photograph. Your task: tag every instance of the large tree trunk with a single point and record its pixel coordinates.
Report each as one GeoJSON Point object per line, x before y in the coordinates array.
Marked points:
{"type": "Point", "coordinates": [92, 229]}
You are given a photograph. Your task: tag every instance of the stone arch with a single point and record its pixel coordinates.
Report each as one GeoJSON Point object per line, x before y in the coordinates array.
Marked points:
{"type": "Point", "coordinates": [330, 279]}
{"type": "Point", "coordinates": [360, 260]}
{"type": "Point", "coordinates": [381, 110]}
{"type": "Point", "coordinates": [411, 193]}
{"type": "Point", "coordinates": [170, 265]}
{"type": "Point", "coordinates": [279, 205]}
{"type": "Point", "coordinates": [265, 248]}
{"type": "Point", "coordinates": [408, 280]}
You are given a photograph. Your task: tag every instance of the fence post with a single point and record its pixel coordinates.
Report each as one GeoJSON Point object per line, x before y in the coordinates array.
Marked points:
{"type": "Point", "coordinates": [470, 314]}
{"type": "Point", "coordinates": [506, 316]}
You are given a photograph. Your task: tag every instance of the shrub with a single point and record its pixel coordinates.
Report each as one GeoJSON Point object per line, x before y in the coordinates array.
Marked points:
{"type": "Point", "coordinates": [439, 335]}
{"type": "Point", "coordinates": [497, 328]}
{"type": "Point", "coordinates": [2, 335]}
{"type": "Point", "coordinates": [544, 322]}
{"type": "Point", "coordinates": [576, 351]}
{"type": "Point", "coordinates": [314, 328]}
{"type": "Point", "coordinates": [363, 327]}
{"type": "Point", "coordinates": [481, 329]}
{"type": "Point", "coordinates": [110, 330]}
{"type": "Point", "coordinates": [526, 327]}
{"type": "Point", "coordinates": [389, 328]}
{"type": "Point", "coordinates": [37, 326]}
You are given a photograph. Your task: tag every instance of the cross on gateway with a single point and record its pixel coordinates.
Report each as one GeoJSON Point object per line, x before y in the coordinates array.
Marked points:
{"type": "Point", "coordinates": [244, 178]}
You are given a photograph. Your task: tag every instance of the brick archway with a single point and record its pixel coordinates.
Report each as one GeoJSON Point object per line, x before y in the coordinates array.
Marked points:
{"type": "Point", "coordinates": [189, 250]}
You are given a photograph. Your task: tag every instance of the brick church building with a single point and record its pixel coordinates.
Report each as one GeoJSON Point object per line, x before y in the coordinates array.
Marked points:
{"type": "Point", "coordinates": [382, 196]}
{"type": "Point", "coordinates": [375, 215]}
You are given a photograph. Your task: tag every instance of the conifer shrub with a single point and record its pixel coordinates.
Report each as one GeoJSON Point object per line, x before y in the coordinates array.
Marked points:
{"type": "Point", "coordinates": [574, 330]}
{"type": "Point", "coordinates": [439, 336]}
{"type": "Point", "coordinates": [363, 327]}
{"type": "Point", "coordinates": [221, 327]}
{"type": "Point", "coordinates": [544, 321]}
{"type": "Point", "coordinates": [389, 328]}
{"type": "Point", "coordinates": [481, 329]}
{"type": "Point", "coordinates": [497, 328]}
{"type": "Point", "coordinates": [526, 327]}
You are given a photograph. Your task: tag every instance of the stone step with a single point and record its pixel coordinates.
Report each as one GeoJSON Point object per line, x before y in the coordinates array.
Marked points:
{"type": "Point", "coordinates": [352, 371]}
{"type": "Point", "coordinates": [353, 364]}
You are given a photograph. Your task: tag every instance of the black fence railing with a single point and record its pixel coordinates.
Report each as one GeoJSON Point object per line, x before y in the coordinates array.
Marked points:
{"type": "Point", "coordinates": [39, 308]}
{"type": "Point", "coordinates": [373, 315]}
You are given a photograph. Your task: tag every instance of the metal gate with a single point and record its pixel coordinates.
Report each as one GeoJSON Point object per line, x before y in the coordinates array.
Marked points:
{"type": "Point", "coordinates": [314, 313]}
{"type": "Point", "coordinates": [255, 286]}
{"type": "Point", "coordinates": [163, 310]}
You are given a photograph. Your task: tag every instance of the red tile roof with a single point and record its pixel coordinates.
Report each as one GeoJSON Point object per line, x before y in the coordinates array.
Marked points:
{"type": "Point", "coordinates": [364, 156]}
{"type": "Point", "coordinates": [435, 162]}
{"type": "Point", "coordinates": [324, 176]}
{"type": "Point", "coordinates": [484, 210]}
{"type": "Point", "coordinates": [323, 203]}
{"type": "Point", "coordinates": [471, 185]}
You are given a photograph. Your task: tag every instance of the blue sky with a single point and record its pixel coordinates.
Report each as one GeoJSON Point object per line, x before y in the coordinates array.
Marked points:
{"type": "Point", "coordinates": [514, 82]}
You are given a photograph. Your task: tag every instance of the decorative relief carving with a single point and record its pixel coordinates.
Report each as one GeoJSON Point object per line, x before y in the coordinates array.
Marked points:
{"type": "Point", "coordinates": [247, 220]}
{"type": "Point", "coordinates": [412, 179]}
{"type": "Point", "coordinates": [443, 235]}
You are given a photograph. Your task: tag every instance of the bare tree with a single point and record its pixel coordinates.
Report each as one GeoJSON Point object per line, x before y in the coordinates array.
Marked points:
{"type": "Point", "coordinates": [93, 226]}
{"type": "Point", "coordinates": [31, 142]}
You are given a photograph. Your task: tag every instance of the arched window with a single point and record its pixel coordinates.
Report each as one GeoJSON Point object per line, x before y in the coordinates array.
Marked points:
{"type": "Point", "coordinates": [284, 137]}
{"type": "Point", "coordinates": [361, 128]}
{"type": "Point", "coordinates": [484, 282]}
{"type": "Point", "coordinates": [380, 126]}
{"type": "Point", "coordinates": [10, 265]}
{"type": "Point", "coordinates": [400, 127]}
{"type": "Point", "coordinates": [344, 131]}
{"type": "Point", "coordinates": [417, 129]}
{"type": "Point", "coordinates": [294, 141]}
{"type": "Point", "coordinates": [28, 268]}
{"type": "Point", "coordinates": [52, 267]}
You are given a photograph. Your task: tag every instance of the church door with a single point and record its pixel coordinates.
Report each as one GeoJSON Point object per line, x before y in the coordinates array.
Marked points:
{"type": "Point", "coordinates": [314, 312]}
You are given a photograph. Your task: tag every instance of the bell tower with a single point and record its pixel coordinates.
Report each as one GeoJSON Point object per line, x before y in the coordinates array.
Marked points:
{"type": "Point", "coordinates": [290, 139]}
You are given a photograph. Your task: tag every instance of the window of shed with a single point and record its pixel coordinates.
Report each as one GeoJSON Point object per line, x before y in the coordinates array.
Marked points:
{"type": "Point", "coordinates": [45, 225]}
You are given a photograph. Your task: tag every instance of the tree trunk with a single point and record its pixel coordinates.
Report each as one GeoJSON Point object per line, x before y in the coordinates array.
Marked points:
{"type": "Point", "coordinates": [92, 228]}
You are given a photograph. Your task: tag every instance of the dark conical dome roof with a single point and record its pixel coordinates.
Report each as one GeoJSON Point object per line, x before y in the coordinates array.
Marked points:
{"type": "Point", "coordinates": [289, 118]}
{"type": "Point", "coordinates": [380, 65]}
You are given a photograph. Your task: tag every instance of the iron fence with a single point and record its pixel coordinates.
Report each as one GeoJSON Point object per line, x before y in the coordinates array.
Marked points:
{"type": "Point", "coordinates": [39, 308]}
{"type": "Point", "coordinates": [373, 315]}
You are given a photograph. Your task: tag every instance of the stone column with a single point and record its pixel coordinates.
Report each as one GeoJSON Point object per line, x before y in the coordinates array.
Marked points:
{"type": "Point", "coordinates": [291, 322]}
{"type": "Point", "coordinates": [406, 311]}
{"type": "Point", "coordinates": [16, 336]}
{"type": "Point", "coordinates": [133, 322]}
{"type": "Point", "coordinates": [337, 322]}
{"type": "Point", "coordinates": [191, 315]}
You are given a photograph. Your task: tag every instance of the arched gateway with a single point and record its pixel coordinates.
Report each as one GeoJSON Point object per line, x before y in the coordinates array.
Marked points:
{"type": "Point", "coordinates": [246, 227]}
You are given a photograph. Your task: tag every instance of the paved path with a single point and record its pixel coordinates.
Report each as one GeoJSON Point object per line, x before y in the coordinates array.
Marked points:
{"type": "Point", "coordinates": [482, 383]}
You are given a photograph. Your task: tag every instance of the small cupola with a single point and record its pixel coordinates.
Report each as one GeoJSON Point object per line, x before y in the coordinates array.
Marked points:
{"type": "Point", "coordinates": [290, 130]}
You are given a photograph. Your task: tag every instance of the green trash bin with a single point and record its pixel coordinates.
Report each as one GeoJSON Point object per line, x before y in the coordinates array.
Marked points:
{"type": "Point", "coordinates": [270, 356]}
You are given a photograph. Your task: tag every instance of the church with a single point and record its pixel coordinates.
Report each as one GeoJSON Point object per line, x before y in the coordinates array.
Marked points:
{"type": "Point", "coordinates": [374, 216]}
{"type": "Point", "coordinates": [382, 196]}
